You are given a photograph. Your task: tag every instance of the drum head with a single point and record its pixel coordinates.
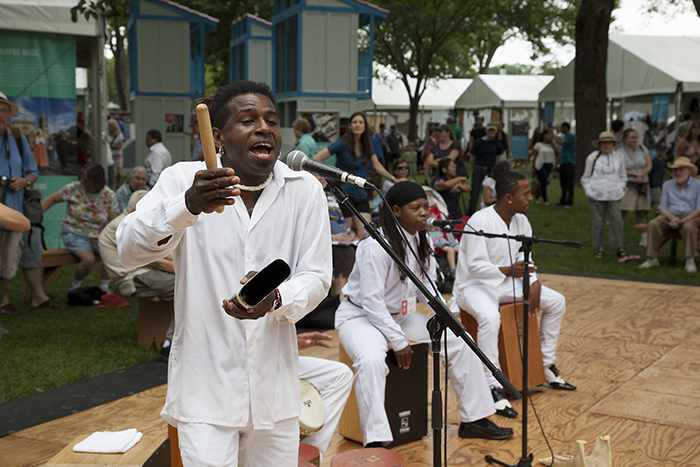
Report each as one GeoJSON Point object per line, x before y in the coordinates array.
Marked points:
{"type": "Point", "coordinates": [313, 413]}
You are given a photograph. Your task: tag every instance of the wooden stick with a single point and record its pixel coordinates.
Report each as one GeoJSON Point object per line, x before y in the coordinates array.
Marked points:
{"type": "Point", "coordinates": [207, 137]}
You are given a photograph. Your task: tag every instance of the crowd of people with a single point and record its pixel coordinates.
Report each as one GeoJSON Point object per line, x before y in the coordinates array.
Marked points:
{"type": "Point", "coordinates": [159, 235]}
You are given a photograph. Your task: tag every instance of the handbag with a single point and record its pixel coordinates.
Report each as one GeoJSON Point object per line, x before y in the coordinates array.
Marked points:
{"type": "Point", "coordinates": [31, 205]}
{"type": "Point", "coordinates": [643, 189]}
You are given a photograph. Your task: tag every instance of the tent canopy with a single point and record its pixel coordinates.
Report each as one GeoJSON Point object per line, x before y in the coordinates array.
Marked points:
{"type": "Point", "coordinates": [48, 16]}
{"type": "Point", "coordinates": [638, 65]}
{"type": "Point", "coordinates": [508, 91]}
{"type": "Point", "coordinates": [438, 95]}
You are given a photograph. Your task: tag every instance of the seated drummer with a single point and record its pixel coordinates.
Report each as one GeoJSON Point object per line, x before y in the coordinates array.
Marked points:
{"type": "Point", "coordinates": [380, 307]}
{"type": "Point", "coordinates": [491, 269]}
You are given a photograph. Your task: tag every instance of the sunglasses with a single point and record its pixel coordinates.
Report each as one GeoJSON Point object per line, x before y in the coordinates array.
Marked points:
{"type": "Point", "coordinates": [403, 167]}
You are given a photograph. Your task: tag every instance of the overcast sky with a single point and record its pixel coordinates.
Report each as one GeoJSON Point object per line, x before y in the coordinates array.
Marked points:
{"type": "Point", "coordinates": [631, 18]}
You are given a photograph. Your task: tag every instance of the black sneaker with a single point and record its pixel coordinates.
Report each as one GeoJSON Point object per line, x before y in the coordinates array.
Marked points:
{"type": "Point", "coordinates": [503, 405]}
{"type": "Point", "coordinates": [484, 429]}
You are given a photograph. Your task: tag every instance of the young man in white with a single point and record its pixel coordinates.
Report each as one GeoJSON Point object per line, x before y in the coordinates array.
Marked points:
{"type": "Point", "coordinates": [489, 269]}
{"type": "Point", "coordinates": [233, 387]}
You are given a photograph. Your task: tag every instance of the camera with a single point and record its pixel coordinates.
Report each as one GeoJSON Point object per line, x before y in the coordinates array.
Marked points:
{"type": "Point", "coordinates": [4, 183]}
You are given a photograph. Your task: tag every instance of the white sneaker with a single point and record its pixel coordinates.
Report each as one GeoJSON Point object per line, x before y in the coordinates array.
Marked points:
{"type": "Point", "coordinates": [690, 265]}
{"type": "Point", "coordinates": [643, 239]}
{"type": "Point", "coordinates": [650, 263]}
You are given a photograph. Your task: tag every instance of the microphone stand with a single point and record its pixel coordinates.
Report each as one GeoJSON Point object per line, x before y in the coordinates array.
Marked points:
{"type": "Point", "coordinates": [525, 458]}
{"type": "Point", "coordinates": [443, 319]}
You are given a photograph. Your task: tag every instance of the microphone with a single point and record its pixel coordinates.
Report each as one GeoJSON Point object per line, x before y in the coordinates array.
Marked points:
{"type": "Point", "coordinates": [297, 160]}
{"type": "Point", "coordinates": [432, 222]}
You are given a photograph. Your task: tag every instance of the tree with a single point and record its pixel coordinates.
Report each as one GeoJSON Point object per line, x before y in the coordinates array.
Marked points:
{"type": "Point", "coordinates": [497, 21]}
{"type": "Point", "coordinates": [590, 92]}
{"type": "Point", "coordinates": [116, 15]}
{"type": "Point", "coordinates": [431, 39]}
{"type": "Point", "coordinates": [417, 41]}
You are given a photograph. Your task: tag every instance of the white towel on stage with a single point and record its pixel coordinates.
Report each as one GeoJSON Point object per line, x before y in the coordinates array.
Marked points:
{"type": "Point", "coordinates": [109, 442]}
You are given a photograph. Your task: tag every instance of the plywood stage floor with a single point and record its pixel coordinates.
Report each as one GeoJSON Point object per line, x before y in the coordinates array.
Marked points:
{"type": "Point", "coordinates": [632, 348]}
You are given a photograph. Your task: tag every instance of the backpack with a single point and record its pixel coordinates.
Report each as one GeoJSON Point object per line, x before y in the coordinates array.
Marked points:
{"type": "Point", "coordinates": [85, 296]}
{"type": "Point", "coordinates": [32, 206]}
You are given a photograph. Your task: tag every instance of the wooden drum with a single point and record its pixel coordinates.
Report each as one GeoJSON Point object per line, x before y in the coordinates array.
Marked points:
{"type": "Point", "coordinates": [509, 337]}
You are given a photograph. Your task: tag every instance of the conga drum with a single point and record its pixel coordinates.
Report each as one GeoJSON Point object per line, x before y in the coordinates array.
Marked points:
{"type": "Point", "coordinates": [309, 454]}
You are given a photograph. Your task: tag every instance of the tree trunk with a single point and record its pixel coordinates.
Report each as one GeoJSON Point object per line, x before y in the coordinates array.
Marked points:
{"type": "Point", "coordinates": [590, 92]}
{"type": "Point", "coordinates": [121, 69]}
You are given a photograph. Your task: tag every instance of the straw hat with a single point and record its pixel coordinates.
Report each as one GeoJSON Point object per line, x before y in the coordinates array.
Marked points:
{"type": "Point", "coordinates": [603, 137]}
{"type": "Point", "coordinates": [684, 162]}
{"type": "Point", "coordinates": [13, 107]}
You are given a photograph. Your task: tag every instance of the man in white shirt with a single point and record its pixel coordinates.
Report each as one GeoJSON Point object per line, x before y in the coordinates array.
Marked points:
{"type": "Point", "coordinates": [489, 269]}
{"type": "Point", "coordinates": [158, 158]}
{"type": "Point", "coordinates": [380, 308]}
{"type": "Point", "coordinates": [233, 387]}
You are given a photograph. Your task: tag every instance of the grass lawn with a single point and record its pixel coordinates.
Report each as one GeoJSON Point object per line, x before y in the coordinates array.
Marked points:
{"type": "Point", "coordinates": [49, 348]}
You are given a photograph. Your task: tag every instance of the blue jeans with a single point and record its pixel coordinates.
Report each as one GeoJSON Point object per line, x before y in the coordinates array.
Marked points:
{"type": "Point", "coordinates": [543, 178]}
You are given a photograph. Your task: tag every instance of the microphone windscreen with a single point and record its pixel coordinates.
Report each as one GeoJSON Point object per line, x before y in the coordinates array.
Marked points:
{"type": "Point", "coordinates": [295, 160]}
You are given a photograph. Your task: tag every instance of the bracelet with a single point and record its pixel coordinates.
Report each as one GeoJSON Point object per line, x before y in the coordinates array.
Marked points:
{"type": "Point", "coordinates": [278, 300]}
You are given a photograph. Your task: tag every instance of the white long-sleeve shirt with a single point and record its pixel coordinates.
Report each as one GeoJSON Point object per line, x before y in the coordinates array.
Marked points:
{"type": "Point", "coordinates": [606, 180]}
{"type": "Point", "coordinates": [222, 369]}
{"type": "Point", "coordinates": [480, 258]}
{"type": "Point", "coordinates": [375, 286]}
{"type": "Point", "coordinates": [157, 160]}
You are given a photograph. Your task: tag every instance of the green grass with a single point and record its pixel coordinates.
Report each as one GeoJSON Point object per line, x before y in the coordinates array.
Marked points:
{"type": "Point", "coordinates": [50, 348]}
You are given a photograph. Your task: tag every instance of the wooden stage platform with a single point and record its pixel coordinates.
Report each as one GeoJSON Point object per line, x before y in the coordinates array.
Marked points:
{"type": "Point", "coordinates": [632, 348]}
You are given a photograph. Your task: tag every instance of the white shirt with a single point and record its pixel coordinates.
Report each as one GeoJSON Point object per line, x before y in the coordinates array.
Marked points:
{"type": "Point", "coordinates": [491, 183]}
{"type": "Point", "coordinates": [222, 370]}
{"type": "Point", "coordinates": [158, 159]}
{"type": "Point", "coordinates": [545, 155]}
{"type": "Point", "coordinates": [606, 180]}
{"type": "Point", "coordinates": [375, 286]}
{"type": "Point", "coordinates": [480, 257]}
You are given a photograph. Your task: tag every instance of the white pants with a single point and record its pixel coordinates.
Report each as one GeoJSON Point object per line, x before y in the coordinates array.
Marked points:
{"type": "Point", "coordinates": [483, 304]}
{"type": "Point", "coordinates": [334, 382]}
{"type": "Point", "coordinates": [367, 347]}
{"type": "Point", "coordinates": [207, 445]}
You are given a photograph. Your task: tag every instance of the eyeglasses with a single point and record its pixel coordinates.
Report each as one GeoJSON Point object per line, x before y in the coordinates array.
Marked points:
{"type": "Point", "coordinates": [4, 110]}
{"type": "Point", "coordinates": [402, 168]}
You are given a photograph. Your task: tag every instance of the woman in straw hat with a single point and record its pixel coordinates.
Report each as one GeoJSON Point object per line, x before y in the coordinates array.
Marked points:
{"type": "Point", "coordinates": [604, 181]}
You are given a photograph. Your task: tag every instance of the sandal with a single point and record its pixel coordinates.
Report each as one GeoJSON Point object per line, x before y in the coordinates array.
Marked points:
{"type": "Point", "coordinates": [599, 254]}
{"type": "Point", "coordinates": [621, 253]}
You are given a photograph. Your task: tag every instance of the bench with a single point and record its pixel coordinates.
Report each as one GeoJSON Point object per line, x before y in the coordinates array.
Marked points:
{"type": "Point", "coordinates": [52, 260]}
{"type": "Point", "coordinates": [153, 451]}
{"type": "Point", "coordinates": [155, 316]}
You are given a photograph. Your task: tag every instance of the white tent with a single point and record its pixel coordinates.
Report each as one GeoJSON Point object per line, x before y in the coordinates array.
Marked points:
{"type": "Point", "coordinates": [639, 66]}
{"type": "Point", "coordinates": [506, 91]}
{"type": "Point", "coordinates": [439, 94]}
{"type": "Point", "coordinates": [47, 16]}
